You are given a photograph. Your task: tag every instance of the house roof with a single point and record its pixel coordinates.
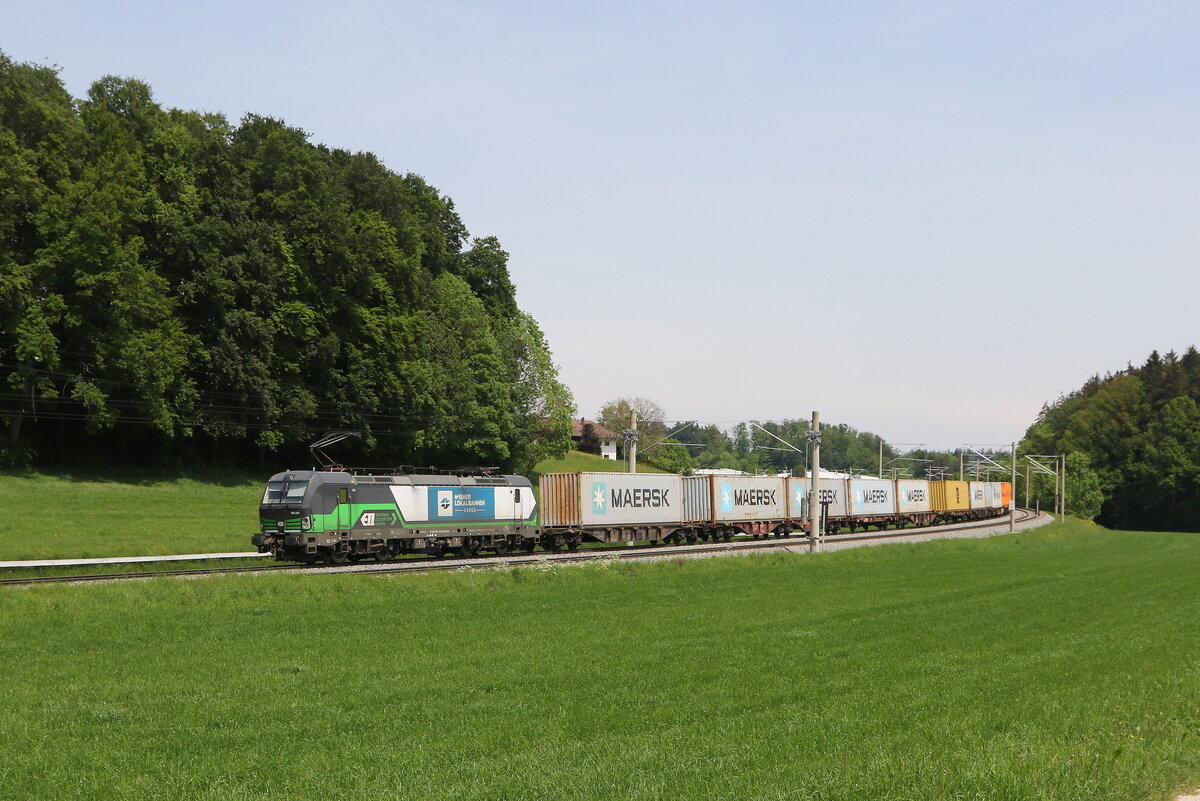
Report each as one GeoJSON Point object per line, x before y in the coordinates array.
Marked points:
{"type": "Point", "coordinates": [600, 431]}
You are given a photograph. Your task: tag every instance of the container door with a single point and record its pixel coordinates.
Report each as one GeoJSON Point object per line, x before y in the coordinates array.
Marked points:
{"type": "Point", "coordinates": [343, 508]}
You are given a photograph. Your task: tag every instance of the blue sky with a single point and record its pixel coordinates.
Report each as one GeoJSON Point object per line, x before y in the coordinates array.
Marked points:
{"type": "Point", "coordinates": [923, 219]}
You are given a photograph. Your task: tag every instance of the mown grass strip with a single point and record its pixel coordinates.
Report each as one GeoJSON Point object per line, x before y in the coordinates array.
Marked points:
{"type": "Point", "coordinates": [1056, 664]}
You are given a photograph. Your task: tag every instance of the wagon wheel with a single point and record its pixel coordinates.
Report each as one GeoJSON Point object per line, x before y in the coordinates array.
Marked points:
{"type": "Point", "coordinates": [551, 545]}
{"type": "Point", "coordinates": [528, 545]}
{"type": "Point", "coordinates": [469, 547]}
{"type": "Point", "coordinates": [383, 554]}
{"type": "Point", "coordinates": [336, 557]}
{"type": "Point", "coordinates": [573, 544]}
{"type": "Point", "coordinates": [502, 547]}
{"type": "Point", "coordinates": [728, 534]}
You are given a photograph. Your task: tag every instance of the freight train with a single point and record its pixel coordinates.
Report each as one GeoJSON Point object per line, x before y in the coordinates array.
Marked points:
{"type": "Point", "coordinates": [342, 515]}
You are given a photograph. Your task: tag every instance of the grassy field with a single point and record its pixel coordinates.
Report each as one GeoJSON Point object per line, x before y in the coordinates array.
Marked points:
{"type": "Point", "coordinates": [68, 515]}
{"type": "Point", "coordinates": [576, 461]}
{"type": "Point", "coordinates": [1057, 664]}
{"type": "Point", "coordinates": [92, 514]}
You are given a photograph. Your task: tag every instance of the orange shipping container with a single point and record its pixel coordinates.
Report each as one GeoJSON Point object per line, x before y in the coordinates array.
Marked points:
{"type": "Point", "coordinates": [950, 496]}
{"type": "Point", "coordinates": [1006, 493]}
{"type": "Point", "coordinates": [560, 499]}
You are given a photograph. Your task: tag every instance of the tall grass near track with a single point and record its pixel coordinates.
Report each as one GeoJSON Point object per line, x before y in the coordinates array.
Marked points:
{"type": "Point", "coordinates": [82, 515]}
{"type": "Point", "coordinates": [1057, 664]}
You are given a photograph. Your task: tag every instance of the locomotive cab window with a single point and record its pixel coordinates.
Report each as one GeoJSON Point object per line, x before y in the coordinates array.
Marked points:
{"type": "Point", "coordinates": [284, 491]}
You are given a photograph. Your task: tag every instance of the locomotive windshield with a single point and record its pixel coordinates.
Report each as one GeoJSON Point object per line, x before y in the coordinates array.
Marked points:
{"type": "Point", "coordinates": [285, 491]}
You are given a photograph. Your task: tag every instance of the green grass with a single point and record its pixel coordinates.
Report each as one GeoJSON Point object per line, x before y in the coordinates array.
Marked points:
{"type": "Point", "coordinates": [134, 567]}
{"type": "Point", "coordinates": [1056, 664]}
{"type": "Point", "coordinates": [578, 462]}
{"type": "Point", "coordinates": [81, 515]}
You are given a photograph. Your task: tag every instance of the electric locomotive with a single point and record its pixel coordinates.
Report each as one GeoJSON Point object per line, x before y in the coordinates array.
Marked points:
{"type": "Point", "coordinates": [336, 515]}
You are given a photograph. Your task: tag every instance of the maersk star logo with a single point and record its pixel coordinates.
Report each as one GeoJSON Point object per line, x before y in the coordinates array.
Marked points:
{"type": "Point", "coordinates": [599, 493]}
{"type": "Point", "coordinates": [726, 499]}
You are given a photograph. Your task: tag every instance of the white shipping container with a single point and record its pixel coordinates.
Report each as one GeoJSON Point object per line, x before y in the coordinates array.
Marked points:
{"type": "Point", "coordinates": [615, 499]}
{"type": "Point", "coordinates": [872, 497]}
{"type": "Point", "coordinates": [831, 491]}
{"type": "Point", "coordinates": [743, 498]}
{"type": "Point", "coordinates": [978, 494]}
{"type": "Point", "coordinates": [912, 496]}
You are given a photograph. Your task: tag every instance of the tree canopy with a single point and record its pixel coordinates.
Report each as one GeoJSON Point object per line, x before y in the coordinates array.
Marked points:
{"type": "Point", "coordinates": [1138, 430]}
{"type": "Point", "coordinates": [174, 288]}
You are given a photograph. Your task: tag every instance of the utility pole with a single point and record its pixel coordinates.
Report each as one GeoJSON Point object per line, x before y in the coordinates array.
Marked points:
{"type": "Point", "coordinates": [1012, 512]}
{"type": "Point", "coordinates": [814, 486]}
{"type": "Point", "coordinates": [880, 473]}
{"type": "Point", "coordinates": [962, 452]}
{"type": "Point", "coordinates": [1064, 487]}
{"type": "Point", "coordinates": [1026, 486]}
{"type": "Point", "coordinates": [1057, 485]}
{"type": "Point", "coordinates": [632, 438]}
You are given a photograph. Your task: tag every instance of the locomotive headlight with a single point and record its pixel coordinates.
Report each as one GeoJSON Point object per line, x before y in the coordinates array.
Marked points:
{"type": "Point", "coordinates": [306, 523]}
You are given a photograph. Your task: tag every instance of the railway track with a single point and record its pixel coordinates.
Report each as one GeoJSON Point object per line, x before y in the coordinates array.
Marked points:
{"type": "Point", "coordinates": [432, 565]}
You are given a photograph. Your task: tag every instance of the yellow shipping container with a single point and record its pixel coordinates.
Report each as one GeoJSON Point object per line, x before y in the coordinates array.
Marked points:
{"type": "Point", "coordinates": [950, 496]}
